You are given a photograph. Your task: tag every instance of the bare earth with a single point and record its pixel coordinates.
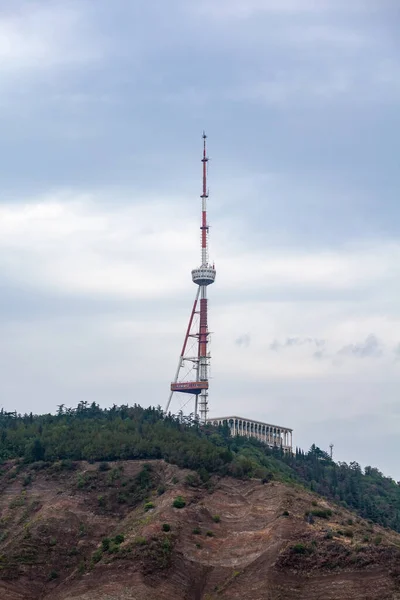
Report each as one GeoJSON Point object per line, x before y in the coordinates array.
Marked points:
{"type": "Point", "coordinates": [53, 523]}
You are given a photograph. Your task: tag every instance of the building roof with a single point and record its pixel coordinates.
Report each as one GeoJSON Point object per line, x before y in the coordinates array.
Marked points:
{"type": "Point", "coordinates": [250, 420]}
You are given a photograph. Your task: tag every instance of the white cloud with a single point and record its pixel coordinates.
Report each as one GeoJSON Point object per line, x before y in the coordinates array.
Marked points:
{"type": "Point", "coordinates": [81, 244]}
{"type": "Point", "coordinates": [38, 36]}
{"type": "Point", "coordinates": [242, 10]}
{"type": "Point", "coordinates": [75, 247]}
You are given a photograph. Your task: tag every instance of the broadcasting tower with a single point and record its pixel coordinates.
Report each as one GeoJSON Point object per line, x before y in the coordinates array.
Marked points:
{"type": "Point", "coordinates": [196, 358]}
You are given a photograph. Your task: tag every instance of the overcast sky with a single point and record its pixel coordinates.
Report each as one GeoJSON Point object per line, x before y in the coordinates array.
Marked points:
{"type": "Point", "coordinates": [102, 107]}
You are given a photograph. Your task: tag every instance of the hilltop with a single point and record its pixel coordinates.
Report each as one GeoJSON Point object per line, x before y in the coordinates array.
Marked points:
{"type": "Point", "coordinates": [88, 432]}
{"type": "Point", "coordinates": [124, 504]}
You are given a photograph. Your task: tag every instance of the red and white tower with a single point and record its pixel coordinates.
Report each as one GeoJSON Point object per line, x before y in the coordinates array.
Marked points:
{"type": "Point", "coordinates": [194, 361]}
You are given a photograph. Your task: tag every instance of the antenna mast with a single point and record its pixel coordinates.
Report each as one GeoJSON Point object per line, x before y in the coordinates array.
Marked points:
{"type": "Point", "coordinates": [202, 276]}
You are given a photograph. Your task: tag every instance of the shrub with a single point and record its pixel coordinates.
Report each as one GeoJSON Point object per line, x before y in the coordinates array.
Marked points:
{"type": "Point", "coordinates": [193, 480]}
{"type": "Point", "coordinates": [73, 552]}
{"type": "Point", "coordinates": [161, 490]}
{"type": "Point", "coordinates": [148, 506]}
{"type": "Point", "coordinates": [27, 480]}
{"type": "Point", "coordinates": [216, 518]}
{"type": "Point", "coordinates": [209, 534]}
{"type": "Point", "coordinates": [329, 535]}
{"type": "Point", "coordinates": [322, 513]}
{"type": "Point", "coordinates": [267, 478]}
{"type": "Point", "coordinates": [104, 466]}
{"type": "Point", "coordinates": [348, 533]}
{"type": "Point", "coordinates": [140, 541]}
{"type": "Point", "coordinates": [119, 538]}
{"type": "Point", "coordinates": [309, 518]}
{"type": "Point", "coordinates": [96, 556]}
{"type": "Point", "coordinates": [366, 538]}
{"type": "Point", "coordinates": [101, 501]}
{"type": "Point", "coordinates": [53, 575]}
{"type": "Point", "coordinates": [166, 527]}
{"type": "Point", "coordinates": [196, 531]}
{"type": "Point", "coordinates": [285, 513]}
{"type": "Point", "coordinates": [349, 521]}
{"type": "Point", "coordinates": [179, 502]}
{"type": "Point", "coordinates": [203, 474]}
{"type": "Point", "coordinates": [82, 567]}
{"type": "Point", "coordinates": [105, 543]}
{"type": "Point", "coordinates": [175, 480]}
{"type": "Point", "coordinates": [314, 503]}
{"type": "Point", "coordinates": [377, 540]}
{"type": "Point", "coordinates": [53, 541]}
{"type": "Point", "coordinates": [299, 548]}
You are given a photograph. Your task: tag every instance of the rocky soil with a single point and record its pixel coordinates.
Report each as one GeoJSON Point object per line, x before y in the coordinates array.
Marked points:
{"type": "Point", "coordinates": [79, 531]}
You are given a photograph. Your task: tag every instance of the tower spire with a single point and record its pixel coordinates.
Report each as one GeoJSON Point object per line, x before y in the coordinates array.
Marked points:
{"type": "Point", "coordinates": [196, 381]}
{"type": "Point", "coordinates": [204, 196]}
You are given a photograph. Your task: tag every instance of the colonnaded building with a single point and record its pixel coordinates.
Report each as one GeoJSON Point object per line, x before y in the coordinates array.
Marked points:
{"type": "Point", "coordinates": [273, 435]}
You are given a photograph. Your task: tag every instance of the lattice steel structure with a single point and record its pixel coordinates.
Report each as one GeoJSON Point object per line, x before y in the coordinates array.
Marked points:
{"type": "Point", "coordinates": [193, 369]}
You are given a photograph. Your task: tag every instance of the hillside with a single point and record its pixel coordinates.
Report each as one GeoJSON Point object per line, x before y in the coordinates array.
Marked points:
{"type": "Point", "coordinates": [129, 433]}
{"type": "Point", "coordinates": [110, 531]}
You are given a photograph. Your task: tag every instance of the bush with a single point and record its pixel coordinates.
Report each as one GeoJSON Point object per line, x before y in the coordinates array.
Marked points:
{"type": "Point", "coordinates": [349, 533]}
{"type": "Point", "coordinates": [101, 501]}
{"type": "Point", "coordinates": [161, 490]}
{"type": "Point", "coordinates": [193, 480]}
{"type": "Point", "coordinates": [140, 541]}
{"type": "Point", "coordinates": [377, 540]}
{"type": "Point", "coordinates": [105, 543]}
{"type": "Point", "coordinates": [216, 518]}
{"type": "Point", "coordinates": [267, 478]}
{"type": "Point", "coordinates": [196, 531]}
{"type": "Point", "coordinates": [53, 575]}
{"type": "Point", "coordinates": [104, 466]}
{"type": "Point", "coordinates": [322, 513]}
{"type": "Point", "coordinates": [299, 549]}
{"type": "Point", "coordinates": [209, 533]}
{"type": "Point", "coordinates": [285, 513]}
{"type": "Point", "coordinates": [96, 556]}
{"type": "Point", "coordinates": [119, 538]}
{"type": "Point", "coordinates": [166, 527]}
{"type": "Point", "coordinates": [329, 535]}
{"type": "Point", "coordinates": [179, 502]}
{"type": "Point", "coordinates": [149, 506]}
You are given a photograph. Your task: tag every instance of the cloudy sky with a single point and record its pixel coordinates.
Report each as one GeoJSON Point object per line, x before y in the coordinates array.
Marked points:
{"type": "Point", "coordinates": [102, 106]}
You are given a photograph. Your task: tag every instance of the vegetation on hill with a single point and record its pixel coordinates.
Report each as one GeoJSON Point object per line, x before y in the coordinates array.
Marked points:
{"type": "Point", "coordinates": [88, 432]}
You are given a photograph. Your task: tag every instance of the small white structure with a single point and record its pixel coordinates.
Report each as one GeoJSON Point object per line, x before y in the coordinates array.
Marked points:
{"type": "Point", "coordinates": [273, 435]}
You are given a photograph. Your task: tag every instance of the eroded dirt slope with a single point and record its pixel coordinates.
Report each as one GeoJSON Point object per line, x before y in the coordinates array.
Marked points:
{"type": "Point", "coordinates": [86, 532]}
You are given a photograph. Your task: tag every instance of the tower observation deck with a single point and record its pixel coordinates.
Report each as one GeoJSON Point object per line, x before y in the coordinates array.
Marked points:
{"type": "Point", "coordinates": [195, 380]}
